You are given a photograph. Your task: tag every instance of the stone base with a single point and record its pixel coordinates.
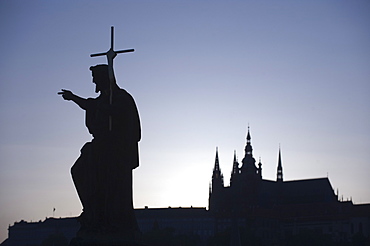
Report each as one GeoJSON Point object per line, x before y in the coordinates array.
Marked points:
{"type": "Point", "coordinates": [78, 241]}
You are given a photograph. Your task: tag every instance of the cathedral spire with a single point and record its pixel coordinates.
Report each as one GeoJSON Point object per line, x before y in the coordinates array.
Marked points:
{"type": "Point", "coordinates": [248, 160]}
{"type": "Point", "coordinates": [279, 176]}
{"type": "Point", "coordinates": [248, 147]}
{"type": "Point", "coordinates": [235, 165]}
{"type": "Point", "coordinates": [215, 194]}
{"type": "Point", "coordinates": [235, 170]}
{"type": "Point", "coordinates": [217, 175]}
{"type": "Point", "coordinates": [217, 163]}
{"type": "Point", "coordinates": [260, 168]}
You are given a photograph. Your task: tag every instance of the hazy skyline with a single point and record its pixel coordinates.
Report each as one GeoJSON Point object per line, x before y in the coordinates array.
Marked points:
{"type": "Point", "coordinates": [296, 72]}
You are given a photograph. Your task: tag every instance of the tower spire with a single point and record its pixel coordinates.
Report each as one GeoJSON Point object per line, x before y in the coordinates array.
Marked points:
{"type": "Point", "coordinates": [217, 163]}
{"type": "Point", "coordinates": [260, 168]}
{"type": "Point", "coordinates": [248, 160]}
{"type": "Point", "coordinates": [217, 175]}
{"type": "Point", "coordinates": [235, 170]}
{"type": "Point", "coordinates": [215, 194]}
{"type": "Point", "coordinates": [248, 147]}
{"type": "Point", "coordinates": [235, 165]}
{"type": "Point", "coordinates": [279, 176]}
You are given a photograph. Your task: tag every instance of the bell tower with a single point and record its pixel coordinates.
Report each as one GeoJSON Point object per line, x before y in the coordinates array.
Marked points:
{"type": "Point", "coordinates": [249, 163]}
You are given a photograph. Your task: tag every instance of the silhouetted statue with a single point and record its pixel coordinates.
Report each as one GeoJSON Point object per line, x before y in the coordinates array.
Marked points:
{"type": "Point", "coordinates": [103, 172]}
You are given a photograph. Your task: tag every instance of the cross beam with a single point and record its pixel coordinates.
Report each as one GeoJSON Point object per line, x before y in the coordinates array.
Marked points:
{"type": "Point", "coordinates": [111, 47]}
{"type": "Point", "coordinates": [117, 52]}
{"type": "Point", "coordinates": [111, 54]}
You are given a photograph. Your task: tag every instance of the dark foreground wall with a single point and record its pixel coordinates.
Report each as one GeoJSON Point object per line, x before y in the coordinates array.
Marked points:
{"type": "Point", "coordinates": [198, 226]}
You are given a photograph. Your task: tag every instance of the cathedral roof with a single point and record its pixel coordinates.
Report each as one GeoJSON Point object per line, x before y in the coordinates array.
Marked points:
{"type": "Point", "coordinates": [317, 190]}
{"type": "Point", "coordinates": [308, 191]}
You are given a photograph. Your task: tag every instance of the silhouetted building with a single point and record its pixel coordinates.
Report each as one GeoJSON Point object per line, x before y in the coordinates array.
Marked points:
{"type": "Point", "coordinates": [191, 224]}
{"type": "Point", "coordinates": [37, 233]}
{"type": "Point", "coordinates": [250, 211]}
{"type": "Point", "coordinates": [279, 212]}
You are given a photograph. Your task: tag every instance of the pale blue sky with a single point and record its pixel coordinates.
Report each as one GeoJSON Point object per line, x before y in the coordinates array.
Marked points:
{"type": "Point", "coordinates": [296, 71]}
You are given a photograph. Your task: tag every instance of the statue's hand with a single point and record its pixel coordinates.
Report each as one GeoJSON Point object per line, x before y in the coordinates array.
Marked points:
{"type": "Point", "coordinates": [66, 94]}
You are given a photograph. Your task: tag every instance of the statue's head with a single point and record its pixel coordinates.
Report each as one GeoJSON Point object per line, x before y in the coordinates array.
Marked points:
{"type": "Point", "coordinates": [100, 77]}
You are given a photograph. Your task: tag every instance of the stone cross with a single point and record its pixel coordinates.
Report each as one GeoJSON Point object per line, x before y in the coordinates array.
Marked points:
{"type": "Point", "coordinates": [111, 54]}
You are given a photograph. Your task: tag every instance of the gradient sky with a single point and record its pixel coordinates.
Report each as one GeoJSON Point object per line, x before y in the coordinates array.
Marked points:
{"type": "Point", "coordinates": [296, 71]}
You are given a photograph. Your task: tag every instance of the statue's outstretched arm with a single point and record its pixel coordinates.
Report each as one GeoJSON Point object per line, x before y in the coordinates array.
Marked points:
{"type": "Point", "coordinates": [69, 96]}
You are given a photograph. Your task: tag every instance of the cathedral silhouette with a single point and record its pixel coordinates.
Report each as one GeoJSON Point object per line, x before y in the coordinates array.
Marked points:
{"type": "Point", "coordinates": [277, 212]}
{"type": "Point", "coordinates": [249, 192]}
{"type": "Point", "coordinates": [250, 211]}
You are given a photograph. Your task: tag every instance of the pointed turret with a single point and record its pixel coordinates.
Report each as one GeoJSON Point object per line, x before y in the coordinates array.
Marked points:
{"type": "Point", "coordinates": [215, 194]}
{"type": "Point", "coordinates": [279, 176]}
{"type": "Point", "coordinates": [248, 148]}
{"type": "Point", "coordinates": [235, 164]}
{"type": "Point", "coordinates": [260, 168]}
{"type": "Point", "coordinates": [217, 177]}
{"type": "Point", "coordinates": [248, 160]}
{"type": "Point", "coordinates": [235, 171]}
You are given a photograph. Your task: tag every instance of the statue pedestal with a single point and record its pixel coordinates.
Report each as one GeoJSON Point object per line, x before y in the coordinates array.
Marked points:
{"type": "Point", "coordinates": [99, 238]}
{"type": "Point", "coordinates": [77, 241]}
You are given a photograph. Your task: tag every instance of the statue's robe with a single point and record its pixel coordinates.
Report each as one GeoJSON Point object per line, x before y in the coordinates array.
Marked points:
{"type": "Point", "coordinates": [103, 172]}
